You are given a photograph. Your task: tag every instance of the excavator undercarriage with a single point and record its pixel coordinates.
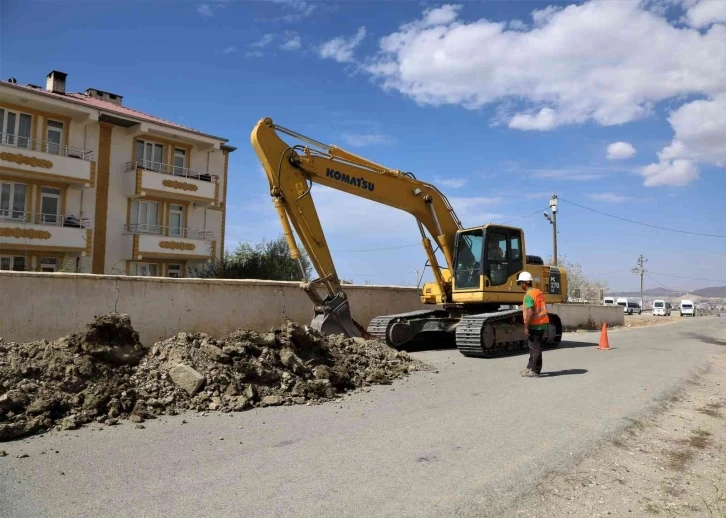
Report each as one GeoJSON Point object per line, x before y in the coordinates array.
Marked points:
{"type": "Point", "coordinates": [481, 335]}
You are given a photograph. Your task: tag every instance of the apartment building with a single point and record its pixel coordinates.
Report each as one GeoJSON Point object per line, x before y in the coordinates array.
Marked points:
{"type": "Point", "coordinates": [90, 185]}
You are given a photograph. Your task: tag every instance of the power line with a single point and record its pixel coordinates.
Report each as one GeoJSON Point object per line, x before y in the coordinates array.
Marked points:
{"type": "Point", "coordinates": [661, 284]}
{"type": "Point", "coordinates": [644, 224]}
{"type": "Point", "coordinates": [682, 277]}
{"type": "Point", "coordinates": [525, 216]}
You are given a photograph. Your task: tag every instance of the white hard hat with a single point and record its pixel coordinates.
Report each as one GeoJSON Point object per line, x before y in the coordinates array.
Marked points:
{"type": "Point", "coordinates": [525, 276]}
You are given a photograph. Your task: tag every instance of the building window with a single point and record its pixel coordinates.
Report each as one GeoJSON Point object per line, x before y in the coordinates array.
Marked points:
{"type": "Point", "coordinates": [144, 269]}
{"type": "Point", "coordinates": [49, 264]}
{"type": "Point", "coordinates": [180, 161]}
{"type": "Point", "coordinates": [12, 262]}
{"type": "Point", "coordinates": [54, 137]}
{"type": "Point", "coordinates": [174, 271]}
{"type": "Point", "coordinates": [144, 217]}
{"type": "Point", "coordinates": [149, 155]}
{"type": "Point", "coordinates": [176, 220]}
{"type": "Point", "coordinates": [12, 200]}
{"type": "Point", "coordinates": [50, 206]}
{"type": "Point", "coordinates": [15, 128]}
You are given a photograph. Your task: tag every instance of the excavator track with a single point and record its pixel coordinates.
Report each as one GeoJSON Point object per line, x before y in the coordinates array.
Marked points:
{"type": "Point", "coordinates": [378, 327]}
{"type": "Point", "coordinates": [491, 335]}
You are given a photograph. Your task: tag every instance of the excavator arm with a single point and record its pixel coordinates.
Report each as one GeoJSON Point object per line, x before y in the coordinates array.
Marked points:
{"type": "Point", "coordinates": [293, 169]}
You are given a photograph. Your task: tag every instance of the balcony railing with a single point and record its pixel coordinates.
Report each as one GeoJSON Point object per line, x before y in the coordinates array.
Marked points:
{"type": "Point", "coordinates": [38, 218]}
{"type": "Point", "coordinates": [171, 169]}
{"type": "Point", "coordinates": [188, 233]}
{"type": "Point", "coordinates": [6, 139]}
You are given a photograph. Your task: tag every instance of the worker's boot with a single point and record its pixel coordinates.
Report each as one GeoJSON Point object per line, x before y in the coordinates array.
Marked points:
{"type": "Point", "coordinates": [525, 372]}
{"type": "Point", "coordinates": [530, 374]}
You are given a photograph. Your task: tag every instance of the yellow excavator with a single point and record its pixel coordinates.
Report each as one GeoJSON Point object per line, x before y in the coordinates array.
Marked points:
{"type": "Point", "coordinates": [482, 263]}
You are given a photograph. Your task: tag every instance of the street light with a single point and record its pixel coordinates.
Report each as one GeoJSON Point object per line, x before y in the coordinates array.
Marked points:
{"type": "Point", "coordinates": [553, 222]}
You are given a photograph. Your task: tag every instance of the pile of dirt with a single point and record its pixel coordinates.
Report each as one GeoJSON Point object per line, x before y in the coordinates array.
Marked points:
{"type": "Point", "coordinates": [105, 374]}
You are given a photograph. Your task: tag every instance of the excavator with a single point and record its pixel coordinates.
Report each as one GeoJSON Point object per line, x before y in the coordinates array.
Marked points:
{"type": "Point", "coordinates": [467, 293]}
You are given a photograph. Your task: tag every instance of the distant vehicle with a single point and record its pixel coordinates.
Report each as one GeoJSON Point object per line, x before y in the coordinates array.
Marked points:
{"type": "Point", "coordinates": [608, 301]}
{"type": "Point", "coordinates": [661, 308]}
{"type": "Point", "coordinates": [688, 309]}
{"type": "Point", "coordinates": [629, 306]}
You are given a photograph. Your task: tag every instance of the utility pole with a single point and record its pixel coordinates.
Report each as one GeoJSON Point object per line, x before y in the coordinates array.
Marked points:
{"type": "Point", "coordinates": [640, 270]}
{"type": "Point", "coordinates": [553, 222]}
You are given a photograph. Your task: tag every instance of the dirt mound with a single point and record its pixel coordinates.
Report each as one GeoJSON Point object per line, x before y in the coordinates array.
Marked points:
{"type": "Point", "coordinates": [104, 373]}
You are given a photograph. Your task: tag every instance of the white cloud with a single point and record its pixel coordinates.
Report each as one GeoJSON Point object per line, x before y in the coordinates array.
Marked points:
{"type": "Point", "coordinates": [205, 10]}
{"type": "Point", "coordinates": [264, 41]}
{"type": "Point", "coordinates": [608, 197]}
{"type": "Point", "coordinates": [454, 183]}
{"type": "Point", "coordinates": [670, 172]}
{"type": "Point", "coordinates": [620, 151]}
{"type": "Point", "coordinates": [253, 54]}
{"type": "Point", "coordinates": [706, 12]}
{"type": "Point", "coordinates": [601, 60]}
{"type": "Point", "coordinates": [700, 133]}
{"type": "Point", "coordinates": [292, 43]}
{"type": "Point", "coordinates": [366, 139]}
{"type": "Point", "coordinates": [441, 15]}
{"type": "Point", "coordinates": [296, 9]}
{"type": "Point", "coordinates": [544, 120]}
{"type": "Point", "coordinates": [517, 25]}
{"type": "Point", "coordinates": [229, 50]}
{"type": "Point", "coordinates": [341, 49]}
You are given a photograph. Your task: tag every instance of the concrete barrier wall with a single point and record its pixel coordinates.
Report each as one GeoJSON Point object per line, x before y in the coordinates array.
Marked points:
{"type": "Point", "coordinates": [577, 315]}
{"type": "Point", "coordinates": [49, 305]}
{"type": "Point", "coordinates": [34, 306]}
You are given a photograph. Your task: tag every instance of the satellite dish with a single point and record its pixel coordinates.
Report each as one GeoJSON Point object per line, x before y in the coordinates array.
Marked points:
{"type": "Point", "coordinates": [13, 81]}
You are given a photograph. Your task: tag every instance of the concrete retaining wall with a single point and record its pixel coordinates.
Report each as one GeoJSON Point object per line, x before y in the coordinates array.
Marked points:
{"type": "Point", "coordinates": [580, 315]}
{"type": "Point", "coordinates": [49, 305]}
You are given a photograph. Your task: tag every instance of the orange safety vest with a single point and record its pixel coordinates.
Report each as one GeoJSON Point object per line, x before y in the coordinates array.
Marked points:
{"type": "Point", "coordinates": [540, 308]}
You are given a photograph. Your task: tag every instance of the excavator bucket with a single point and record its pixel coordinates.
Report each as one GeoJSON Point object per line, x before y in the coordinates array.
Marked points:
{"type": "Point", "coordinates": [335, 318]}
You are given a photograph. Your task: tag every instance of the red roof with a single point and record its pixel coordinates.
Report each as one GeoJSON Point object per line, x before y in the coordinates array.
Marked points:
{"type": "Point", "coordinates": [122, 111]}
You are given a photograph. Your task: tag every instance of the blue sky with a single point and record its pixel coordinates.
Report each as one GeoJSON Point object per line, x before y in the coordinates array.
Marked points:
{"type": "Point", "coordinates": [501, 104]}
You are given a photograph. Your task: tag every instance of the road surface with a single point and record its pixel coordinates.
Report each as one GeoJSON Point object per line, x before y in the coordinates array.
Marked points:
{"type": "Point", "coordinates": [465, 441]}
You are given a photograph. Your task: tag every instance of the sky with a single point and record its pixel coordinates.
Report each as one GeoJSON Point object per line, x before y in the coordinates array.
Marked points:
{"type": "Point", "coordinates": [615, 106]}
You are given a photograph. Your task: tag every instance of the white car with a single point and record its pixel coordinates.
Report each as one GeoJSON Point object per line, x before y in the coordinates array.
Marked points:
{"type": "Point", "coordinates": [661, 308]}
{"type": "Point", "coordinates": [688, 308]}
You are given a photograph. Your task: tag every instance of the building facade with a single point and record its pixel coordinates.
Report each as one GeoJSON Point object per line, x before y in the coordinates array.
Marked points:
{"type": "Point", "coordinates": [89, 185]}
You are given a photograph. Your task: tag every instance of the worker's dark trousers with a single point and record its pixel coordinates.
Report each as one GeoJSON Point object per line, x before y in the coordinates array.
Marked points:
{"type": "Point", "coordinates": [535, 350]}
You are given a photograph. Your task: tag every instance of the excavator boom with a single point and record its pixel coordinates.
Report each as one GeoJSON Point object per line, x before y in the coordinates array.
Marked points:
{"type": "Point", "coordinates": [292, 171]}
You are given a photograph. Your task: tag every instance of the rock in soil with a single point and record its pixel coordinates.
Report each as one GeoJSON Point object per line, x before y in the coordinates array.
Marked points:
{"type": "Point", "coordinates": [104, 374]}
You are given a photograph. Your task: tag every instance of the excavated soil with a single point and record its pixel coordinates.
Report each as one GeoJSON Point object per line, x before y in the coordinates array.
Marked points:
{"type": "Point", "coordinates": [104, 374]}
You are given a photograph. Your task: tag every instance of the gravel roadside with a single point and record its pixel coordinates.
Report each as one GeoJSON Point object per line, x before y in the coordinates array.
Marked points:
{"type": "Point", "coordinates": [671, 463]}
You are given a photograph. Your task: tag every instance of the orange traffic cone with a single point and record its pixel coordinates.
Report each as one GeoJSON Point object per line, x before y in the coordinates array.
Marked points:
{"type": "Point", "coordinates": [604, 343]}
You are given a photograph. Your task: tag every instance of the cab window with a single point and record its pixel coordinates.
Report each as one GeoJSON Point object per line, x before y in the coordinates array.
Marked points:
{"type": "Point", "coordinates": [504, 254]}
{"type": "Point", "coordinates": [468, 258]}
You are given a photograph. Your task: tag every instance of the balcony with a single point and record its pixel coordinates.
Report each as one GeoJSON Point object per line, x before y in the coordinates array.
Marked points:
{"type": "Point", "coordinates": [51, 232]}
{"type": "Point", "coordinates": [168, 181]}
{"type": "Point", "coordinates": [156, 242]}
{"type": "Point", "coordinates": [46, 160]}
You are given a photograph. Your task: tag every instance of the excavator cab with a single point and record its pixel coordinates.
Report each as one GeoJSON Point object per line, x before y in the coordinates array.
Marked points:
{"type": "Point", "coordinates": [487, 258]}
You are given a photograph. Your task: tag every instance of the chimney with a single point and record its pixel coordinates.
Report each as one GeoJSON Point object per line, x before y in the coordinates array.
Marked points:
{"type": "Point", "coordinates": [104, 96]}
{"type": "Point", "coordinates": [56, 82]}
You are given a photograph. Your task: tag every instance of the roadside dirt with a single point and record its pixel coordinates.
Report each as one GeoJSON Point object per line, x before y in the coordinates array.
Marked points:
{"type": "Point", "coordinates": [672, 463]}
{"type": "Point", "coordinates": [105, 374]}
{"type": "Point", "coordinates": [647, 319]}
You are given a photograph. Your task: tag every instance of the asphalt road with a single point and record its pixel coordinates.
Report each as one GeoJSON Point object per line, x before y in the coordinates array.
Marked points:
{"type": "Point", "coordinates": [465, 441]}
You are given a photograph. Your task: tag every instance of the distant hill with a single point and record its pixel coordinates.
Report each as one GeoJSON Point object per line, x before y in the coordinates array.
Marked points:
{"type": "Point", "coordinates": [716, 291]}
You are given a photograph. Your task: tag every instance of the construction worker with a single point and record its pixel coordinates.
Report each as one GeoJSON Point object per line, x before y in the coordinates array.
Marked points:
{"type": "Point", "coordinates": [536, 320]}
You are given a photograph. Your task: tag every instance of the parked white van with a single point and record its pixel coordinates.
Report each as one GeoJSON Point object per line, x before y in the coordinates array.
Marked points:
{"type": "Point", "coordinates": [629, 306]}
{"type": "Point", "coordinates": [608, 301]}
{"type": "Point", "coordinates": [688, 308]}
{"type": "Point", "coordinates": [661, 308]}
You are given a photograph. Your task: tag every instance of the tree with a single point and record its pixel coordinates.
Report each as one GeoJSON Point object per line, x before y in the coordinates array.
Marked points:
{"type": "Point", "coordinates": [268, 260]}
{"type": "Point", "coordinates": [579, 287]}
